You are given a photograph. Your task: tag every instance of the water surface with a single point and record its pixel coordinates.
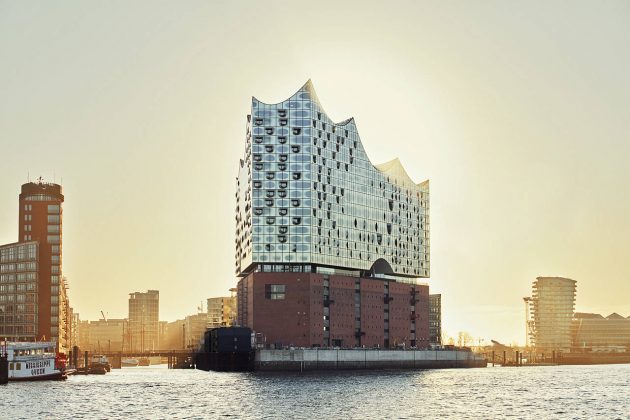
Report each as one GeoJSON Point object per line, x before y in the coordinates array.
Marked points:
{"type": "Point", "coordinates": [583, 392]}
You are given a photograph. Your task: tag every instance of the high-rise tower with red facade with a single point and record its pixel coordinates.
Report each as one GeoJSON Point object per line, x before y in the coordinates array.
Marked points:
{"type": "Point", "coordinates": [33, 293]}
{"type": "Point", "coordinates": [41, 218]}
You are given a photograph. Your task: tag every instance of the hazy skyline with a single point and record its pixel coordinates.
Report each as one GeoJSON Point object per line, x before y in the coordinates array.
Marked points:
{"type": "Point", "coordinates": [517, 114]}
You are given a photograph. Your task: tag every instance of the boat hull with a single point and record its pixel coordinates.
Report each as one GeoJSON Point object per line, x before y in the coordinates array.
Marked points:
{"type": "Point", "coordinates": [56, 376]}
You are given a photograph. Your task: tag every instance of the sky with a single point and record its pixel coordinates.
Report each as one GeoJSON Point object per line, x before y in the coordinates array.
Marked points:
{"type": "Point", "coordinates": [517, 112]}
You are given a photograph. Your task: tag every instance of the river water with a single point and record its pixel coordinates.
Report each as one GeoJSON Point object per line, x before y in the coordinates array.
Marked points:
{"type": "Point", "coordinates": [549, 392]}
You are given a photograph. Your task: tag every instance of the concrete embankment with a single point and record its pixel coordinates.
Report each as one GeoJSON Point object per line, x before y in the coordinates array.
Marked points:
{"type": "Point", "coordinates": [315, 359]}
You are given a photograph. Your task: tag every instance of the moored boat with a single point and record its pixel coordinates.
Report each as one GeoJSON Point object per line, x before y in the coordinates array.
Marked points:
{"type": "Point", "coordinates": [33, 361]}
{"type": "Point", "coordinates": [129, 362]}
{"type": "Point", "coordinates": [99, 360]}
{"type": "Point", "coordinates": [144, 361]}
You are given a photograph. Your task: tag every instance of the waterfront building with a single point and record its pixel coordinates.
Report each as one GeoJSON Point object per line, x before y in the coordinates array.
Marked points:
{"type": "Point", "coordinates": [329, 247]}
{"type": "Point", "coordinates": [221, 311]}
{"type": "Point", "coordinates": [552, 306]}
{"type": "Point", "coordinates": [19, 320]}
{"type": "Point", "coordinates": [105, 335]}
{"type": "Point", "coordinates": [173, 335]}
{"type": "Point", "coordinates": [194, 327]}
{"type": "Point", "coordinates": [144, 311]}
{"type": "Point", "coordinates": [593, 332]}
{"type": "Point", "coordinates": [35, 304]}
{"type": "Point", "coordinates": [83, 334]}
{"type": "Point", "coordinates": [435, 319]}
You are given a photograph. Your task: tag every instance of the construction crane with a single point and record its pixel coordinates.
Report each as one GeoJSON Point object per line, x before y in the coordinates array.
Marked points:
{"type": "Point", "coordinates": [103, 314]}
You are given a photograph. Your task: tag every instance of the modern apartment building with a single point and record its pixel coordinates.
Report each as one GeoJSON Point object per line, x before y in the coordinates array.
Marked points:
{"type": "Point", "coordinates": [435, 319]}
{"type": "Point", "coordinates": [552, 306]}
{"type": "Point", "coordinates": [144, 317]}
{"type": "Point", "coordinates": [19, 320]}
{"type": "Point", "coordinates": [221, 311]}
{"type": "Point", "coordinates": [329, 247]}
{"type": "Point", "coordinates": [33, 290]}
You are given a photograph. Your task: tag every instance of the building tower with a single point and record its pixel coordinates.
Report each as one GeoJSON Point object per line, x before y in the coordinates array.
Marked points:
{"type": "Point", "coordinates": [144, 317]}
{"type": "Point", "coordinates": [317, 224]}
{"type": "Point", "coordinates": [40, 219]}
{"type": "Point", "coordinates": [552, 307]}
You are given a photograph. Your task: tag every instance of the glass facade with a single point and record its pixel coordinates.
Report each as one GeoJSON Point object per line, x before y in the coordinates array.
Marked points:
{"type": "Point", "coordinates": [19, 291]}
{"type": "Point", "coordinates": [307, 193]}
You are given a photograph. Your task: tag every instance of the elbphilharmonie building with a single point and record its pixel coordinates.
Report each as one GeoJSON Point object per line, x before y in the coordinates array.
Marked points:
{"type": "Point", "coordinates": [312, 208]}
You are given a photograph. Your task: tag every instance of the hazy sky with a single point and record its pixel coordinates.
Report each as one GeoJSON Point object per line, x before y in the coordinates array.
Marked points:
{"type": "Point", "coordinates": [518, 113]}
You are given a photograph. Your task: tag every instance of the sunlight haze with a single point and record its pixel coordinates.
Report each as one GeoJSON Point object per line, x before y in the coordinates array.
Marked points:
{"type": "Point", "coordinates": [520, 120]}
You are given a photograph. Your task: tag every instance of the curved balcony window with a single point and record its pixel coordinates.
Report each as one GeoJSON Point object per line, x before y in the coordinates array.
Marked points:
{"type": "Point", "coordinates": [297, 130]}
{"type": "Point", "coordinates": [283, 121]}
{"type": "Point", "coordinates": [297, 175]}
{"type": "Point", "coordinates": [258, 121]}
{"type": "Point", "coordinates": [257, 158]}
{"type": "Point", "coordinates": [271, 193]}
{"type": "Point", "coordinates": [271, 220]}
{"type": "Point", "coordinates": [269, 148]}
{"type": "Point", "coordinates": [283, 158]}
{"type": "Point", "coordinates": [258, 211]}
{"type": "Point", "coordinates": [269, 130]}
{"type": "Point", "coordinates": [282, 238]}
{"type": "Point", "coordinates": [258, 139]}
{"type": "Point", "coordinates": [269, 202]}
{"type": "Point", "coordinates": [295, 203]}
{"type": "Point", "coordinates": [283, 184]}
{"type": "Point", "coordinates": [283, 229]}
{"type": "Point", "coordinates": [282, 166]}
{"type": "Point", "coordinates": [258, 166]}
{"type": "Point", "coordinates": [297, 220]}
{"type": "Point", "coordinates": [283, 212]}
{"type": "Point", "coordinates": [270, 175]}
{"type": "Point", "coordinates": [257, 184]}
{"type": "Point", "coordinates": [282, 113]}
{"type": "Point", "coordinates": [282, 194]}
{"type": "Point", "coordinates": [282, 139]}
{"type": "Point", "coordinates": [295, 148]}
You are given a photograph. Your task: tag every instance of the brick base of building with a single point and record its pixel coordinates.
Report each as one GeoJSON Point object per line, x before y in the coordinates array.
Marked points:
{"type": "Point", "coordinates": [319, 310]}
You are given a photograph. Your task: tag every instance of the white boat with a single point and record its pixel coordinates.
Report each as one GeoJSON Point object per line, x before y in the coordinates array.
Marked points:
{"type": "Point", "coordinates": [32, 361]}
{"type": "Point", "coordinates": [130, 362]}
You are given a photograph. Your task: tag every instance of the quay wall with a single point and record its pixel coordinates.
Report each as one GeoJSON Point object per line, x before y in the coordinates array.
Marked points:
{"type": "Point", "coordinates": [316, 359]}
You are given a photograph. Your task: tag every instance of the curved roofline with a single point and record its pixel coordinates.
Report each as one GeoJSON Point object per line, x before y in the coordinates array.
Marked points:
{"type": "Point", "coordinates": [308, 87]}
{"type": "Point", "coordinates": [392, 168]}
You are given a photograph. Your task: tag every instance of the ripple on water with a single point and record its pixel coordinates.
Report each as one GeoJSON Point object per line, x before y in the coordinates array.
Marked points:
{"type": "Point", "coordinates": [156, 392]}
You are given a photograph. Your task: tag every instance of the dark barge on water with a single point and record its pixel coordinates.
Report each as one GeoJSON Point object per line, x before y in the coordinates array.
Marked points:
{"type": "Point", "coordinates": [230, 349]}
{"type": "Point", "coordinates": [227, 349]}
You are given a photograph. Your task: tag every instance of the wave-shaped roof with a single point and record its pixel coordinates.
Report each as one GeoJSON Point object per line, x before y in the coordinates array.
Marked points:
{"type": "Point", "coordinates": [393, 168]}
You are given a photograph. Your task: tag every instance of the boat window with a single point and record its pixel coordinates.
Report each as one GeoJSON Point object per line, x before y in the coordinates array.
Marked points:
{"type": "Point", "coordinates": [11, 366]}
{"type": "Point", "coordinates": [19, 366]}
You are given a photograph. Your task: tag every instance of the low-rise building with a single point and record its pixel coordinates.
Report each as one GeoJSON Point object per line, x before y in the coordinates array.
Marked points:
{"type": "Point", "coordinates": [594, 332]}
